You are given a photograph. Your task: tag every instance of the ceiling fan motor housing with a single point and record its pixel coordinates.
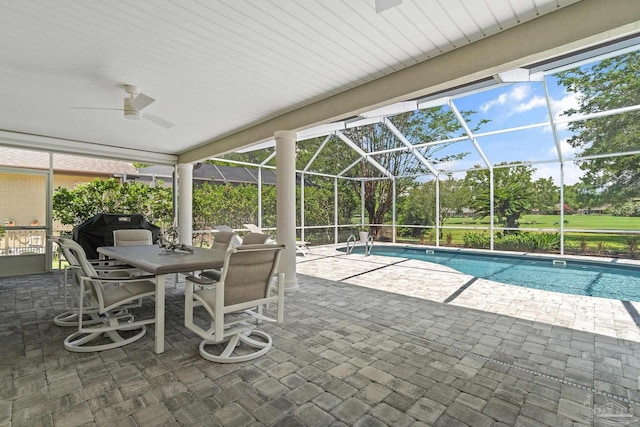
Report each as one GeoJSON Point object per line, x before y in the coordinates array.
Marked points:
{"type": "Point", "coordinates": [130, 112]}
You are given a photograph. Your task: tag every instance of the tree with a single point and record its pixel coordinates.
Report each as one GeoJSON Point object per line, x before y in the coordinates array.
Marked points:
{"type": "Point", "coordinates": [418, 126]}
{"type": "Point", "coordinates": [581, 196]}
{"type": "Point", "coordinates": [512, 193]}
{"type": "Point", "coordinates": [228, 204]}
{"type": "Point", "coordinates": [72, 207]}
{"type": "Point", "coordinates": [546, 195]}
{"type": "Point", "coordinates": [608, 84]}
{"type": "Point", "coordinates": [419, 206]}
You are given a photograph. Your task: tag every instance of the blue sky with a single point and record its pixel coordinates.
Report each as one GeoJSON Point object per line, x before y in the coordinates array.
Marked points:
{"type": "Point", "coordinates": [515, 105]}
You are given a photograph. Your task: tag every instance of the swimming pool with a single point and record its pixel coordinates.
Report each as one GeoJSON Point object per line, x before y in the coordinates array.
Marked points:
{"type": "Point", "coordinates": [577, 277]}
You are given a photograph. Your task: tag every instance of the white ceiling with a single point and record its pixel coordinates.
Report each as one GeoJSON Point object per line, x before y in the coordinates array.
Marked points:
{"type": "Point", "coordinates": [215, 67]}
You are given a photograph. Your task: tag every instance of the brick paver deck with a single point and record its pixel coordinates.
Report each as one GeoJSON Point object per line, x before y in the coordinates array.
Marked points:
{"type": "Point", "coordinates": [350, 352]}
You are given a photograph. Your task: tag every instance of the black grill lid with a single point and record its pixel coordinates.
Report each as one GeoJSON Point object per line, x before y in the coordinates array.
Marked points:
{"type": "Point", "coordinates": [98, 230]}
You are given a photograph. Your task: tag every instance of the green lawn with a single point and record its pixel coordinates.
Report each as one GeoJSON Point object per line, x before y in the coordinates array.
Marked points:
{"type": "Point", "coordinates": [587, 222]}
{"type": "Point", "coordinates": [574, 241]}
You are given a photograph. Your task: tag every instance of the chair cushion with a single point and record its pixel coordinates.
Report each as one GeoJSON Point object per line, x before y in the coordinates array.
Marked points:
{"type": "Point", "coordinates": [128, 291]}
{"type": "Point", "coordinates": [255, 238]}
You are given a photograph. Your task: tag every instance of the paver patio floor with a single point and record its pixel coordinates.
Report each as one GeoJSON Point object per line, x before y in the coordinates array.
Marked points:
{"type": "Point", "coordinates": [350, 352]}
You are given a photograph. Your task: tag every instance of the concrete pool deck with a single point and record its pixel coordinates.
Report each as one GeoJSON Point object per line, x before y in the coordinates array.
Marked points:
{"type": "Point", "coordinates": [439, 283]}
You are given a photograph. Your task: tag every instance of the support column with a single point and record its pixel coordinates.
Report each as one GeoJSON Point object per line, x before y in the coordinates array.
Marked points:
{"type": "Point", "coordinates": [185, 203]}
{"type": "Point", "coordinates": [286, 205]}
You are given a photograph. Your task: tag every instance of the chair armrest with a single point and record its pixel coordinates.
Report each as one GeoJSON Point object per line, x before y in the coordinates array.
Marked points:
{"type": "Point", "coordinates": [105, 262]}
{"type": "Point", "coordinates": [123, 279]}
{"type": "Point", "coordinates": [200, 281]}
{"type": "Point", "coordinates": [108, 268]}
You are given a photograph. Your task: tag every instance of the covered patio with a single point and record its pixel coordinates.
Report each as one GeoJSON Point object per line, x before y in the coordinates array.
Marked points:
{"type": "Point", "coordinates": [361, 345]}
{"type": "Point", "coordinates": [366, 341]}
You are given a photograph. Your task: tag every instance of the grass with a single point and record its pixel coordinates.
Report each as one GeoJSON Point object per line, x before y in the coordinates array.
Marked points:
{"type": "Point", "coordinates": [588, 222]}
{"type": "Point", "coordinates": [574, 241]}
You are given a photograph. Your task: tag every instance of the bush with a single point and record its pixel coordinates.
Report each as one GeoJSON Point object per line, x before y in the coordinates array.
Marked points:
{"type": "Point", "coordinates": [514, 242]}
{"type": "Point", "coordinates": [449, 238]}
{"type": "Point", "coordinates": [511, 242]}
{"type": "Point", "coordinates": [632, 243]}
{"type": "Point", "coordinates": [627, 209]}
{"type": "Point", "coordinates": [476, 240]}
{"type": "Point", "coordinates": [545, 241]}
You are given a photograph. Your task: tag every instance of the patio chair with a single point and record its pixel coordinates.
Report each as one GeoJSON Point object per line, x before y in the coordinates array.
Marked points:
{"type": "Point", "coordinates": [222, 241]}
{"type": "Point", "coordinates": [68, 281]}
{"type": "Point", "coordinates": [249, 239]}
{"type": "Point", "coordinates": [107, 300]}
{"type": "Point", "coordinates": [235, 304]}
{"type": "Point", "coordinates": [55, 241]}
{"type": "Point", "coordinates": [256, 239]}
{"type": "Point", "coordinates": [235, 240]}
{"type": "Point", "coordinates": [132, 237]}
{"type": "Point", "coordinates": [302, 247]}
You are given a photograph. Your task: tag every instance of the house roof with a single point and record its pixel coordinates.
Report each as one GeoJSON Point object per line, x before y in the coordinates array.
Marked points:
{"type": "Point", "coordinates": [216, 173]}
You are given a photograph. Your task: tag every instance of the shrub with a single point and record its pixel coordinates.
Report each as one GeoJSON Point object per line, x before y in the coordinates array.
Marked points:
{"type": "Point", "coordinates": [632, 243]}
{"type": "Point", "coordinates": [545, 241]}
{"type": "Point", "coordinates": [583, 245]}
{"type": "Point", "coordinates": [449, 238]}
{"type": "Point", "coordinates": [476, 240]}
{"type": "Point", "coordinates": [511, 242]}
{"type": "Point", "coordinates": [627, 209]}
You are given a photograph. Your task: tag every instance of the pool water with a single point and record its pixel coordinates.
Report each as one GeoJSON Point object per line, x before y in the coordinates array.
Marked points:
{"type": "Point", "coordinates": [579, 278]}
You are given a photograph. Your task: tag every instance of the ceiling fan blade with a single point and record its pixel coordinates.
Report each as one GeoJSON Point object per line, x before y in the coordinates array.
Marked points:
{"type": "Point", "coordinates": [159, 121]}
{"type": "Point", "coordinates": [141, 101]}
{"type": "Point", "coordinates": [95, 108]}
{"type": "Point", "coordinates": [382, 5]}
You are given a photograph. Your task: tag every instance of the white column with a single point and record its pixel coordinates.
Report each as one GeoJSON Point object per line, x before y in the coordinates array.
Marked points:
{"type": "Point", "coordinates": [185, 205]}
{"type": "Point", "coordinates": [286, 205]}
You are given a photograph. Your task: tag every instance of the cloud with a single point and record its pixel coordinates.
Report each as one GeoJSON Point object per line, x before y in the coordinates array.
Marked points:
{"type": "Point", "coordinates": [535, 102]}
{"type": "Point", "coordinates": [520, 100]}
{"type": "Point", "coordinates": [572, 172]}
{"type": "Point", "coordinates": [451, 165]}
{"type": "Point", "coordinates": [501, 100]}
{"type": "Point", "coordinates": [516, 95]}
{"type": "Point", "coordinates": [567, 150]}
{"type": "Point", "coordinates": [569, 100]}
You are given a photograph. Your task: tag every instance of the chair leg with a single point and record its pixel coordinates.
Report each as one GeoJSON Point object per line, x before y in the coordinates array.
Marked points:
{"type": "Point", "coordinates": [77, 341]}
{"type": "Point", "coordinates": [263, 345]}
{"type": "Point", "coordinates": [80, 341]}
{"type": "Point", "coordinates": [70, 318]}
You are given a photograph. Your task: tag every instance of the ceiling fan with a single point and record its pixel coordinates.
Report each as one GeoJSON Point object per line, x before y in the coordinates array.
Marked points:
{"type": "Point", "coordinates": [133, 106]}
{"type": "Point", "coordinates": [382, 5]}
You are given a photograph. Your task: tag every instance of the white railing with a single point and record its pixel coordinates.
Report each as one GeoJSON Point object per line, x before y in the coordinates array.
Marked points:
{"type": "Point", "coordinates": [23, 240]}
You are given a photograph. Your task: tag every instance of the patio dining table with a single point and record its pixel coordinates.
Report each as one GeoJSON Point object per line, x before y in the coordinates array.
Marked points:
{"type": "Point", "coordinates": [157, 261]}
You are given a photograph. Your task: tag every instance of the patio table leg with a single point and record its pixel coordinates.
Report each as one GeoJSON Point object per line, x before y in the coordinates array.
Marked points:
{"type": "Point", "coordinates": [159, 329]}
